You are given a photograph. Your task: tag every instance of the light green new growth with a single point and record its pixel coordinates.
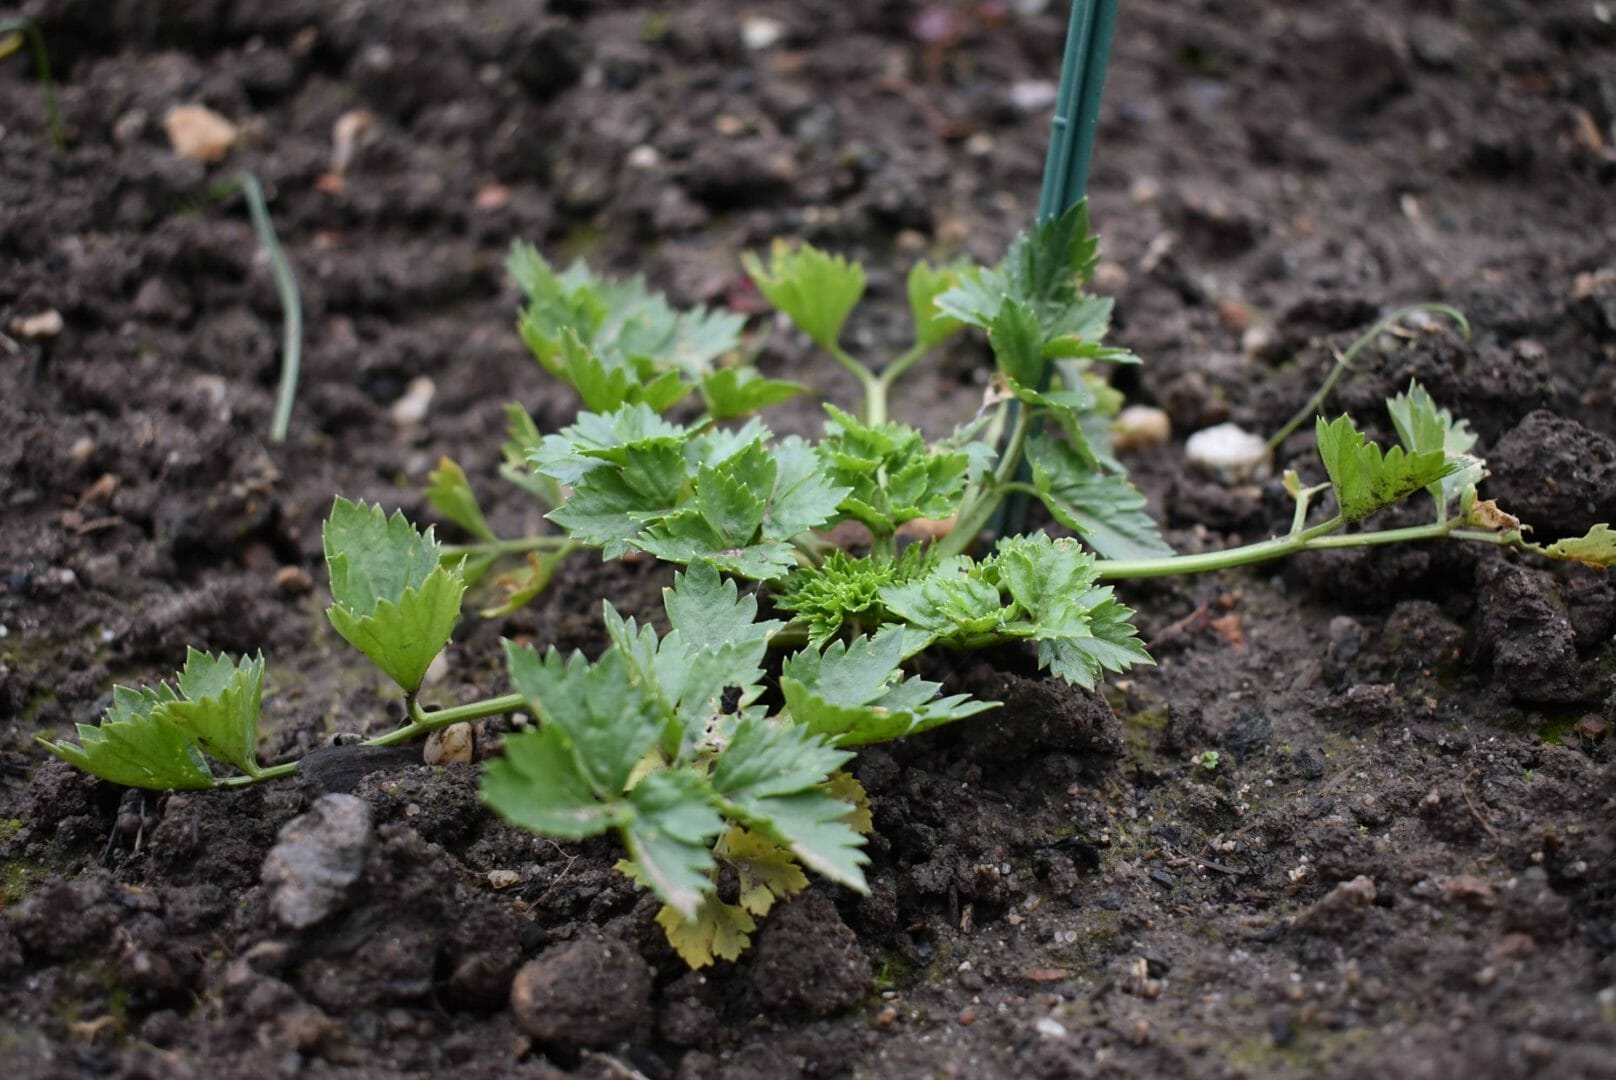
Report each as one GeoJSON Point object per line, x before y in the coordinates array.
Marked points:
{"type": "Point", "coordinates": [155, 738]}
{"type": "Point", "coordinates": [391, 596]}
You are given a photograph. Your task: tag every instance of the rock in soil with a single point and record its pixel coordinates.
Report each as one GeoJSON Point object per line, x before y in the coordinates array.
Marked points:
{"type": "Point", "coordinates": [1555, 475]}
{"type": "Point", "coordinates": [1528, 635]}
{"type": "Point", "coordinates": [590, 993]}
{"type": "Point", "coordinates": [317, 858]}
{"type": "Point", "coordinates": [807, 961]}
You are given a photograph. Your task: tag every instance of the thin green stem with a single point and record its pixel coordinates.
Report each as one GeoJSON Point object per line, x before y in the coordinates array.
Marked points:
{"type": "Point", "coordinates": [1323, 537]}
{"type": "Point", "coordinates": [893, 371]}
{"type": "Point", "coordinates": [875, 392]}
{"type": "Point", "coordinates": [1343, 363]}
{"type": "Point", "coordinates": [421, 723]}
{"type": "Point", "coordinates": [291, 305]}
{"type": "Point", "coordinates": [511, 547]}
{"type": "Point", "coordinates": [47, 85]}
{"type": "Point", "coordinates": [977, 508]}
{"type": "Point", "coordinates": [272, 772]}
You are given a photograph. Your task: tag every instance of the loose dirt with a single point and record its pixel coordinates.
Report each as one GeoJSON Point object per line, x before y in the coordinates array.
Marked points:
{"type": "Point", "coordinates": [1403, 861]}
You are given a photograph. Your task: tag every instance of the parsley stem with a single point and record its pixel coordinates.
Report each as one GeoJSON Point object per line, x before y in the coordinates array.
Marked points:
{"type": "Point", "coordinates": [1343, 363]}
{"type": "Point", "coordinates": [1323, 537]}
{"type": "Point", "coordinates": [269, 772]}
{"type": "Point", "coordinates": [892, 371]}
{"type": "Point", "coordinates": [982, 500]}
{"type": "Point", "coordinates": [875, 393]}
{"type": "Point", "coordinates": [421, 723]}
{"type": "Point", "coordinates": [508, 547]}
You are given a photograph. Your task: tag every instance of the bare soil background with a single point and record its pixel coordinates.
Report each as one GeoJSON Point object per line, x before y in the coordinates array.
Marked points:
{"type": "Point", "coordinates": [1404, 862]}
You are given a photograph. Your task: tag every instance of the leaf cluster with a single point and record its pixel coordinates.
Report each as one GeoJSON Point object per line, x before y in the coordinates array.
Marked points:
{"type": "Point", "coordinates": [682, 493]}
{"type": "Point", "coordinates": [392, 597]}
{"type": "Point", "coordinates": [156, 737]}
{"type": "Point", "coordinates": [619, 343]}
{"type": "Point", "coordinates": [660, 740]}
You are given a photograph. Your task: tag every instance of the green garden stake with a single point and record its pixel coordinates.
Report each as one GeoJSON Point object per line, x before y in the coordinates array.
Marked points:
{"type": "Point", "coordinates": [1077, 106]}
{"type": "Point", "coordinates": [1071, 150]}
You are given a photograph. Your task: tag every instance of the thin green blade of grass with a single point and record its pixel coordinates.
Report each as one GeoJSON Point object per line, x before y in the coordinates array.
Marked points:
{"type": "Point", "coordinates": [18, 29]}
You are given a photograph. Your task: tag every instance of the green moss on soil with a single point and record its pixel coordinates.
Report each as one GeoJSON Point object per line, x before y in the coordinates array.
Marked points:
{"type": "Point", "coordinates": [1308, 1053]}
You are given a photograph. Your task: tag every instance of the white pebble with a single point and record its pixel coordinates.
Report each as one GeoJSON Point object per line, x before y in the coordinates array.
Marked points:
{"type": "Point", "coordinates": [1228, 452]}
{"type": "Point", "coordinates": [760, 32]}
{"type": "Point", "coordinates": [410, 409]}
{"type": "Point", "coordinates": [1050, 1028]}
{"type": "Point", "coordinates": [1032, 95]}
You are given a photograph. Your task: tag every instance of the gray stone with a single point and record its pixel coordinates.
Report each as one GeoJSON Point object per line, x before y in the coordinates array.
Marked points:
{"type": "Point", "coordinates": [316, 860]}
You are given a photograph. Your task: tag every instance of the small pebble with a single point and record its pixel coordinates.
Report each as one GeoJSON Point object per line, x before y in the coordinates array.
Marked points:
{"type": "Point", "coordinates": [450, 745]}
{"type": "Point", "coordinates": [1140, 427]}
{"type": "Point", "coordinates": [760, 32]}
{"type": "Point", "coordinates": [293, 581]}
{"type": "Point", "coordinates": [1050, 1028]}
{"type": "Point", "coordinates": [1228, 453]}
{"type": "Point", "coordinates": [38, 326]}
{"type": "Point", "coordinates": [197, 132]}
{"type": "Point", "coordinates": [1032, 95]}
{"type": "Point", "coordinates": [411, 408]}
{"type": "Point", "coordinates": [503, 879]}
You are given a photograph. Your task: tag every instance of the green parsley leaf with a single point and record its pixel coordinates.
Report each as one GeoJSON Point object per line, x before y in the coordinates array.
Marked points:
{"type": "Point", "coordinates": [731, 392]}
{"type": "Point", "coordinates": [1017, 342]}
{"type": "Point", "coordinates": [219, 706]}
{"type": "Point", "coordinates": [451, 495]}
{"type": "Point", "coordinates": [856, 694]}
{"type": "Point", "coordinates": [616, 342]}
{"type": "Point", "coordinates": [1103, 508]}
{"type": "Point", "coordinates": [816, 290]}
{"type": "Point", "coordinates": [925, 285]}
{"type": "Point", "coordinates": [1043, 270]}
{"type": "Point", "coordinates": [804, 499]}
{"type": "Point", "coordinates": [768, 758]}
{"type": "Point", "coordinates": [521, 439]}
{"type": "Point", "coordinates": [813, 826]}
{"type": "Point", "coordinates": [843, 588]}
{"type": "Point", "coordinates": [670, 835]}
{"type": "Point", "coordinates": [608, 717]}
{"type": "Point", "coordinates": [391, 597]}
{"type": "Point", "coordinates": [889, 473]}
{"type": "Point", "coordinates": [137, 744]}
{"type": "Point", "coordinates": [538, 785]}
{"type": "Point", "coordinates": [1367, 479]}
{"type": "Point", "coordinates": [1422, 427]}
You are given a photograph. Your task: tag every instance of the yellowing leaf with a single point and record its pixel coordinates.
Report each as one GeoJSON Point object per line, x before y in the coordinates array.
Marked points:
{"type": "Point", "coordinates": [767, 871]}
{"type": "Point", "coordinates": [719, 930]}
{"type": "Point", "coordinates": [1597, 548]}
{"type": "Point", "coordinates": [843, 786]}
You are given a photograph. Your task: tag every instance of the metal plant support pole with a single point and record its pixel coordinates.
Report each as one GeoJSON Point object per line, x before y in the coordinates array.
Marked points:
{"type": "Point", "coordinates": [1066, 167]}
{"type": "Point", "coordinates": [1077, 106]}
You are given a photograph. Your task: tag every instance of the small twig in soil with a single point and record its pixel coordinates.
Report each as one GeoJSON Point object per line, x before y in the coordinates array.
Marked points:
{"type": "Point", "coordinates": [1474, 812]}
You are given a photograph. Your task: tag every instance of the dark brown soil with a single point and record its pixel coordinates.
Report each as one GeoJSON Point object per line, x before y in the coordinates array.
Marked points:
{"type": "Point", "coordinates": [1404, 861]}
